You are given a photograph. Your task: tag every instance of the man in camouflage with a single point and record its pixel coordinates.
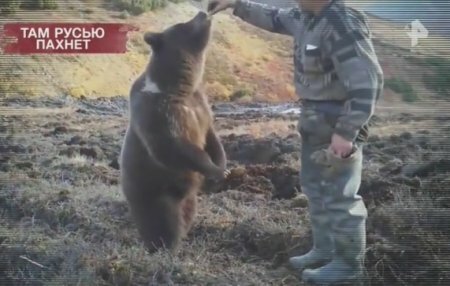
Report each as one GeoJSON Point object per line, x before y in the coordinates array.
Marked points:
{"type": "Point", "coordinates": [339, 80]}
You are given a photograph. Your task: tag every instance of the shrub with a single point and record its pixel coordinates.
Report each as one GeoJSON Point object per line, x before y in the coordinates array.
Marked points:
{"type": "Point", "coordinates": [241, 93]}
{"type": "Point", "coordinates": [9, 6]}
{"type": "Point", "coordinates": [440, 80]}
{"type": "Point", "coordinates": [39, 4]}
{"type": "Point", "coordinates": [137, 7]}
{"type": "Point", "coordinates": [404, 88]}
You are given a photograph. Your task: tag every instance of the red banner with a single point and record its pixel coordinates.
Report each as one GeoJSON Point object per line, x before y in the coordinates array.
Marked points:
{"type": "Point", "coordinates": [64, 38]}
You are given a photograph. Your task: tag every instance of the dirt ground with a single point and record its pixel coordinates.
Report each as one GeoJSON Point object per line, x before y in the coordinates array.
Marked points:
{"type": "Point", "coordinates": [63, 220]}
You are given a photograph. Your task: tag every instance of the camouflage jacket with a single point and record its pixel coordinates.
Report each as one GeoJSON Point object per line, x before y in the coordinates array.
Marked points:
{"type": "Point", "coordinates": [334, 57]}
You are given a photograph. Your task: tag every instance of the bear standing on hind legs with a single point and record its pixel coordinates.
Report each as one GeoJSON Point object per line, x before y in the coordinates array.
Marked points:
{"type": "Point", "coordinates": [170, 145]}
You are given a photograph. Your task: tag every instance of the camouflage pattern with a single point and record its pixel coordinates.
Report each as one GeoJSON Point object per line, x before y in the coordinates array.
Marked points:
{"type": "Point", "coordinates": [338, 214]}
{"type": "Point", "coordinates": [334, 58]}
{"type": "Point", "coordinates": [339, 79]}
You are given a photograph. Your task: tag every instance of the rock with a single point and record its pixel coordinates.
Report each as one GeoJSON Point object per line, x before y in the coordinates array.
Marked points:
{"type": "Point", "coordinates": [71, 227]}
{"type": "Point", "coordinates": [258, 153]}
{"type": "Point", "coordinates": [82, 111]}
{"type": "Point", "coordinates": [248, 150]}
{"type": "Point", "coordinates": [76, 140]}
{"type": "Point", "coordinates": [406, 136]}
{"type": "Point", "coordinates": [395, 139]}
{"type": "Point", "coordinates": [443, 202]}
{"type": "Point", "coordinates": [422, 142]}
{"type": "Point", "coordinates": [93, 152]}
{"type": "Point", "coordinates": [396, 150]}
{"type": "Point", "coordinates": [411, 170]}
{"type": "Point", "coordinates": [60, 130]}
{"type": "Point", "coordinates": [68, 152]}
{"type": "Point", "coordinates": [423, 170]}
{"type": "Point", "coordinates": [237, 172]}
{"type": "Point", "coordinates": [423, 132]}
{"type": "Point", "coordinates": [287, 158]}
{"type": "Point", "coordinates": [373, 138]}
{"type": "Point", "coordinates": [411, 182]}
{"type": "Point", "coordinates": [24, 165]}
{"type": "Point", "coordinates": [377, 190]}
{"type": "Point", "coordinates": [63, 195]}
{"type": "Point", "coordinates": [12, 149]}
{"type": "Point", "coordinates": [286, 184]}
{"type": "Point", "coordinates": [379, 144]}
{"type": "Point", "coordinates": [290, 146]}
{"type": "Point", "coordinates": [392, 166]}
{"type": "Point", "coordinates": [262, 153]}
{"type": "Point", "coordinates": [300, 201]}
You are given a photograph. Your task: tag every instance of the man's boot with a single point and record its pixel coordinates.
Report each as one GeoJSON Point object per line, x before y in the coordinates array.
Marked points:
{"type": "Point", "coordinates": [348, 215]}
{"type": "Point", "coordinates": [348, 261]}
{"type": "Point", "coordinates": [321, 253]}
{"type": "Point", "coordinates": [311, 175]}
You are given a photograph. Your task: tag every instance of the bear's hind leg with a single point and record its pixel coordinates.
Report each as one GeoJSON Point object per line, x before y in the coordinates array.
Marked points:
{"type": "Point", "coordinates": [159, 223]}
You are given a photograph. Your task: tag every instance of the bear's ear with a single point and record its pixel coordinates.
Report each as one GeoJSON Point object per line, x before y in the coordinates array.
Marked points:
{"type": "Point", "coordinates": [153, 39]}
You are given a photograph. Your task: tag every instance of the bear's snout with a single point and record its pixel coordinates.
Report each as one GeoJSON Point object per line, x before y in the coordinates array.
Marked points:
{"type": "Point", "coordinates": [201, 18]}
{"type": "Point", "coordinates": [202, 15]}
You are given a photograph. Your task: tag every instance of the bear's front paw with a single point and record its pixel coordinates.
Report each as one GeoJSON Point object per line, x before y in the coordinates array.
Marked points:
{"type": "Point", "coordinates": [218, 174]}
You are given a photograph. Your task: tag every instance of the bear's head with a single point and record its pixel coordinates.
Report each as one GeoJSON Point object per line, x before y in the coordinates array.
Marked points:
{"type": "Point", "coordinates": [178, 54]}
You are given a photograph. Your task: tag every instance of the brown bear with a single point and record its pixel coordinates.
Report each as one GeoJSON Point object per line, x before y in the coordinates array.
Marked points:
{"type": "Point", "coordinates": [170, 145]}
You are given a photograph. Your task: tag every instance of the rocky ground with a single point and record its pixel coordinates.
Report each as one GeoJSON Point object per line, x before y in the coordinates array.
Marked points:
{"type": "Point", "coordinates": [63, 220]}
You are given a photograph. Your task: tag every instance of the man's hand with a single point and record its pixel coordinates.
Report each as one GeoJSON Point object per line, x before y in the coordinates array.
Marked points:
{"type": "Point", "coordinates": [340, 146]}
{"type": "Point", "coordinates": [215, 6]}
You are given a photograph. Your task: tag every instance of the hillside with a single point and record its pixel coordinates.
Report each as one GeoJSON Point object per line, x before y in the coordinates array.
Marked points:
{"type": "Point", "coordinates": [243, 62]}
{"type": "Point", "coordinates": [64, 221]}
{"type": "Point", "coordinates": [239, 60]}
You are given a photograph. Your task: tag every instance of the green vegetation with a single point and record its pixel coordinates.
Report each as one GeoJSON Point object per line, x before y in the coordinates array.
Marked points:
{"type": "Point", "coordinates": [440, 79]}
{"type": "Point", "coordinates": [39, 4]}
{"type": "Point", "coordinates": [404, 88]}
{"type": "Point", "coordinates": [134, 7]}
{"type": "Point", "coordinates": [240, 94]}
{"type": "Point", "coordinates": [9, 81]}
{"type": "Point", "coordinates": [137, 7]}
{"type": "Point", "coordinates": [11, 6]}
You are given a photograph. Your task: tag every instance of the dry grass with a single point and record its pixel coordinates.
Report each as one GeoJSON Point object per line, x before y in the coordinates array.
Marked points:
{"type": "Point", "coordinates": [84, 235]}
{"type": "Point", "coordinates": [262, 129]}
{"type": "Point", "coordinates": [64, 220]}
{"type": "Point", "coordinates": [414, 241]}
{"type": "Point", "coordinates": [237, 60]}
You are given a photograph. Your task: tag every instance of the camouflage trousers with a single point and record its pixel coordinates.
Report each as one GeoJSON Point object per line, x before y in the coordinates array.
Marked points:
{"type": "Point", "coordinates": [331, 184]}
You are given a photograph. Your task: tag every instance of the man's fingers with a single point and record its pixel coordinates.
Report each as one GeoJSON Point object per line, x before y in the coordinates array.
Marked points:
{"type": "Point", "coordinates": [337, 152]}
{"type": "Point", "coordinates": [346, 154]}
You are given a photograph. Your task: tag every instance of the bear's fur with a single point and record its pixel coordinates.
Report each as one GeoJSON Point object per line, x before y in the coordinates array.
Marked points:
{"type": "Point", "coordinates": [170, 145]}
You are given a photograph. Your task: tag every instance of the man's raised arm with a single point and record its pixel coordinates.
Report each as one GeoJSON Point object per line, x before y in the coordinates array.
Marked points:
{"type": "Point", "coordinates": [272, 19]}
